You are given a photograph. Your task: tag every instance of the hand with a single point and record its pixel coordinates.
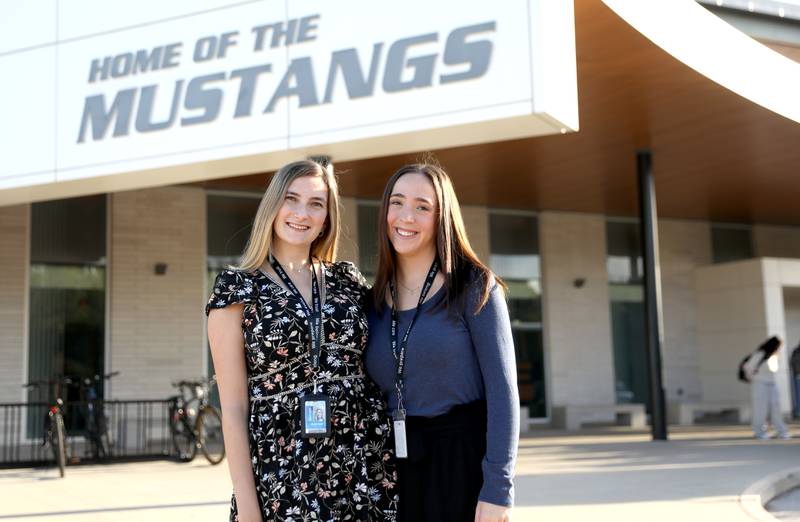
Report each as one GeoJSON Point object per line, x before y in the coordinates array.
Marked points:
{"type": "Point", "coordinates": [486, 512]}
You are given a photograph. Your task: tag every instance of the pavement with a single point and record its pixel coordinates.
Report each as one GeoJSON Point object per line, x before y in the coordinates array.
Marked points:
{"type": "Point", "coordinates": [696, 476]}
{"type": "Point", "coordinates": [604, 475]}
{"type": "Point", "coordinates": [786, 507]}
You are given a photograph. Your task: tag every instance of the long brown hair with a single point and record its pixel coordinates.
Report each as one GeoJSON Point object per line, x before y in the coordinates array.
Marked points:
{"type": "Point", "coordinates": [458, 262]}
{"type": "Point", "coordinates": [323, 247]}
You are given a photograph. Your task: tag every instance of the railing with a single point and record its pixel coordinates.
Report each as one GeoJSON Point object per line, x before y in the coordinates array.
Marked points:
{"type": "Point", "coordinates": [138, 429]}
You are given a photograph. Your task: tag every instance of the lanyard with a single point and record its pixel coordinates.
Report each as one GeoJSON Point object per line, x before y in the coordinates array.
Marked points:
{"type": "Point", "coordinates": [314, 315]}
{"type": "Point", "coordinates": [399, 348]}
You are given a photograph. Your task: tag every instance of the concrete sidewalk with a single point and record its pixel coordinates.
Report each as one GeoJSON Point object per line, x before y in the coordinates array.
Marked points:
{"type": "Point", "coordinates": [615, 475]}
{"type": "Point", "coordinates": [697, 476]}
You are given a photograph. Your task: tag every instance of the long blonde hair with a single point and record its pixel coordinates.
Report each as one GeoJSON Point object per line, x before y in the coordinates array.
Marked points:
{"type": "Point", "coordinates": [324, 247]}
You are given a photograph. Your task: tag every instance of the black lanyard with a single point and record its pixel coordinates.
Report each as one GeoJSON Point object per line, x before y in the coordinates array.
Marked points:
{"type": "Point", "coordinates": [314, 316]}
{"type": "Point", "coordinates": [399, 348]}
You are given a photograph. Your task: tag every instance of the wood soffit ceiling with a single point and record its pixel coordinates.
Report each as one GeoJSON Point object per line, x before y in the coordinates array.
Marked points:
{"type": "Point", "coordinates": [716, 155]}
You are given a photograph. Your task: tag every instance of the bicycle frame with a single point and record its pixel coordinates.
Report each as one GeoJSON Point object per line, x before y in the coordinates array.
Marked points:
{"type": "Point", "coordinates": [96, 423]}
{"type": "Point", "coordinates": [48, 421]}
{"type": "Point", "coordinates": [185, 418]}
{"type": "Point", "coordinates": [54, 429]}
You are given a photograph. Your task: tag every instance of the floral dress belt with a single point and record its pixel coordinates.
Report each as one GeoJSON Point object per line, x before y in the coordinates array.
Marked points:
{"type": "Point", "coordinates": [306, 386]}
{"type": "Point", "coordinates": [255, 379]}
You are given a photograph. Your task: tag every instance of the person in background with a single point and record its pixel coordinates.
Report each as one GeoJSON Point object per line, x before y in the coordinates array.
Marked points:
{"type": "Point", "coordinates": [761, 369]}
{"type": "Point", "coordinates": [441, 349]}
{"type": "Point", "coordinates": [305, 429]}
{"type": "Point", "coordinates": [794, 364]}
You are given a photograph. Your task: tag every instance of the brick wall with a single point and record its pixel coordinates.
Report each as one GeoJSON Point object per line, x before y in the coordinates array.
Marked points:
{"type": "Point", "coordinates": [156, 321]}
{"type": "Point", "coordinates": [14, 246]}
{"type": "Point", "coordinates": [775, 241]}
{"type": "Point", "coordinates": [684, 246]}
{"type": "Point", "coordinates": [348, 233]}
{"type": "Point", "coordinates": [577, 321]}
{"type": "Point", "coordinates": [476, 221]}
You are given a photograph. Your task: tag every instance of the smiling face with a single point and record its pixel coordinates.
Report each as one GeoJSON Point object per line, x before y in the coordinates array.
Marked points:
{"type": "Point", "coordinates": [303, 213]}
{"type": "Point", "coordinates": [411, 217]}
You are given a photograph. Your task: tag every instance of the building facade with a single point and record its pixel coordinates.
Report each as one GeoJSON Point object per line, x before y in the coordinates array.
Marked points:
{"type": "Point", "coordinates": [110, 238]}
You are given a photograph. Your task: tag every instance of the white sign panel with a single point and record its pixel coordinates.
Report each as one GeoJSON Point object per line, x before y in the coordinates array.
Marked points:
{"type": "Point", "coordinates": [188, 95]}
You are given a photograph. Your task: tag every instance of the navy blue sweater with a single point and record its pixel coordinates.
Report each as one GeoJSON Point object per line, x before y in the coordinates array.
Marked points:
{"type": "Point", "coordinates": [454, 359]}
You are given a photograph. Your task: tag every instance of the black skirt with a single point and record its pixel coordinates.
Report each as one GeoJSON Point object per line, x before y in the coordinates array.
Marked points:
{"type": "Point", "coordinates": [442, 476]}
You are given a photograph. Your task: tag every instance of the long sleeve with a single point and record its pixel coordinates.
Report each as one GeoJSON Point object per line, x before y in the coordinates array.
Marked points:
{"type": "Point", "coordinates": [490, 331]}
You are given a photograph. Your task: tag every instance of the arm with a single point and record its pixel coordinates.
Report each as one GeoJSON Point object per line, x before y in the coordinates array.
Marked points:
{"type": "Point", "coordinates": [490, 331]}
{"type": "Point", "coordinates": [752, 365]}
{"type": "Point", "coordinates": [227, 349]}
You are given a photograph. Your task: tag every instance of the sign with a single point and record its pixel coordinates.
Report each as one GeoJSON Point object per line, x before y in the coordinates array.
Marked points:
{"type": "Point", "coordinates": [188, 95]}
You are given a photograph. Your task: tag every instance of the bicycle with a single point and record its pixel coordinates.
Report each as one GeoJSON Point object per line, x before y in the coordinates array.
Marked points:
{"type": "Point", "coordinates": [97, 433]}
{"type": "Point", "coordinates": [55, 432]}
{"type": "Point", "coordinates": [194, 423]}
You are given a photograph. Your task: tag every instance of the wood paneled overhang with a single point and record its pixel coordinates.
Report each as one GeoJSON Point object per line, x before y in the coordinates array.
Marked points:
{"type": "Point", "coordinates": [716, 155]}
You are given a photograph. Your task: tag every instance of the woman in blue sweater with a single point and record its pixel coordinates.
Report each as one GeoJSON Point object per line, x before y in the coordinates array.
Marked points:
{"type": "Point", "coordinates": [441, 350]}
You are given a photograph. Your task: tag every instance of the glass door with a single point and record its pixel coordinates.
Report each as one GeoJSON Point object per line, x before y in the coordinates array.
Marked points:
{"type": "Point", "coordinates": [626, 292]}
{"type": "Point", "coordinates": [514, 256]}
{"type": "Point", "coordinates": [67, 296]}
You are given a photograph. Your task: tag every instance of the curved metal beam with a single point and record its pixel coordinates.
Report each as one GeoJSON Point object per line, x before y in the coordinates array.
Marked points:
{"type": "Point", "coordinates": [717, 50]}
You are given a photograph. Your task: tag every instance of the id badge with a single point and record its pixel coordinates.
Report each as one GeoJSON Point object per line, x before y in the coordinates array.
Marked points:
{"type": "Point", "coordinates": [400, 446]}
{"type": "Point", "coordinates": [315, 416]}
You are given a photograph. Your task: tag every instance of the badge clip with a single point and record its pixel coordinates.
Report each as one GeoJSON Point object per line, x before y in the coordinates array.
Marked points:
{"type": "Point", "coordinates": [400, 446]}
{"type": "Point", "coordinates": [315, 416]}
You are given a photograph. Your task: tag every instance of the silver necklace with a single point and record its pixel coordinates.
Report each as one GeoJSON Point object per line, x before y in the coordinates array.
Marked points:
{"type": "Point", "coordinates": [300, 270]}
{"type": "Point", "coordinates": [303, 268]}
{"type": "Point", "coordinates": [407, 289]}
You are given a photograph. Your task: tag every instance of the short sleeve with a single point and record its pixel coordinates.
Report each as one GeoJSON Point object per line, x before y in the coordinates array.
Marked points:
{"type": "Point", "coordinates": [232, 287]}
{"type": "Point", "coordinates": [353, 274]}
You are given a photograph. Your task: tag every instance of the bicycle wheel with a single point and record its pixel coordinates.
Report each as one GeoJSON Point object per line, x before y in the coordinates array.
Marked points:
{"type": "Point", "coordinates": [105, 440]}
{"type": "Point", "coordinates": [209, 429]}
{"type": "Point", "coordinates": [59, 442]}
{"type": "Point", "coordinates": [105, 444]}
{"type": "Point", "coordinates": [183, 440]}
{"type": "Point", "coordinates": [93, 436]}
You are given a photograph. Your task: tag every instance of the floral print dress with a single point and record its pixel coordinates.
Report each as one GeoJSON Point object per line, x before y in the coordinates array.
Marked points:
{"type": "Point", "coordinates": [349, 475]}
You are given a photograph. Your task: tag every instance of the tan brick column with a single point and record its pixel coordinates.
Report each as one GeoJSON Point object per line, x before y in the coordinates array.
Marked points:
{"type": "Point", "coordinates": [14, 248]}
{"type": "Point", "coordinates": [157, 322]}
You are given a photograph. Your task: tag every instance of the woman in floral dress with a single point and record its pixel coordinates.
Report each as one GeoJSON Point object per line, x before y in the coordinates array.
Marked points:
{"type": "Point", "coordinates": [285, 327]}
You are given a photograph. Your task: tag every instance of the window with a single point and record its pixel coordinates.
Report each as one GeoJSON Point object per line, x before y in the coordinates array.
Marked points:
{"type": "Point", "coordinates": [625, 263]}
{"type": "Point", "coordinates": [731, 242]}
{"type": "Point", "coordinates": [368, 238]}
{"type": "Point", "coordinates": [67, 295]}
{"type": "Point", "coordinates": [626, 292]}
{"type": "Point", "coordinates": [230, 218]}
{"type": "Point", "coordinates": [514, 256]}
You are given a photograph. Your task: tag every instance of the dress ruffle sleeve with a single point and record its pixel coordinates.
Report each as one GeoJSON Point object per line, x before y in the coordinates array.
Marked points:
{"type": "Point", "coordinates": [232, 287]}
{"type": "Point", "coordinates": [351, 272]}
